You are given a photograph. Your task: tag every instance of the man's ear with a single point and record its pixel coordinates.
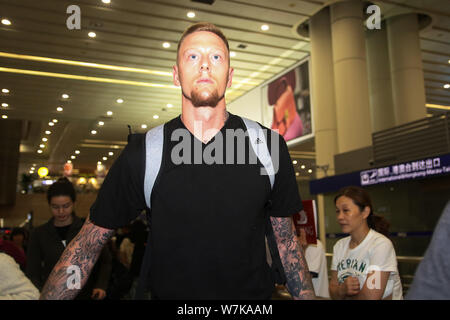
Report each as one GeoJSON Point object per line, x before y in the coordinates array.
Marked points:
{"type": "Point", "coordinates": [176, 78]}
{"type": "Point", "coordinates": [230, 77]}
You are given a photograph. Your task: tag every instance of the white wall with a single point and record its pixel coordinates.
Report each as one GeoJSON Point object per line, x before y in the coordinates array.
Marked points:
{"type": "Point", "coordinates": [248, 106]}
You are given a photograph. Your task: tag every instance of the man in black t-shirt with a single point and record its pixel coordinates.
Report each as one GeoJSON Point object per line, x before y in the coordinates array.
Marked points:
{"type": "Point", "coordinates": [210, 200]}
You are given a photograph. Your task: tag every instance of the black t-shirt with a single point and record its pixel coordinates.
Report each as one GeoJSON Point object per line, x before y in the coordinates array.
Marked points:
{"type": "Point", "coordinates": [62, 232]}
{"type": "Point", "coordinates": [207, 220]}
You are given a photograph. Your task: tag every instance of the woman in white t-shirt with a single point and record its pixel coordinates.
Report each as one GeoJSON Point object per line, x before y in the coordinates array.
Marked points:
{"type": "Point", "coordinates": [364, 264]}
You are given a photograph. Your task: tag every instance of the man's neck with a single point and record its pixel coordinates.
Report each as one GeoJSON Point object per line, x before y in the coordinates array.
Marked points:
{"type": "Point", "coordinates": [204, 122]}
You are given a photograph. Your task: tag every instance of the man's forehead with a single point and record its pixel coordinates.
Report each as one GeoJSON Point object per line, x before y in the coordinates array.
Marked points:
{"type": "Point", "coordinates": [202, 39]}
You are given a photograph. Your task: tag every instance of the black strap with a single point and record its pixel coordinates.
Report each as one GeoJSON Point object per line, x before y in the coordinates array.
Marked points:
{"type": "Point", "coordinates": [142, 285]}
{"type": "Point", "coordinates": [277, 266]}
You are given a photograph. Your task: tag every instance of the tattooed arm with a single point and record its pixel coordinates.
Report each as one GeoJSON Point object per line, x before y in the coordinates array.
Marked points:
{"type": "Point", "coordinates": [298, 278]}
{"type": "Point", "coordinates": [81, 254]}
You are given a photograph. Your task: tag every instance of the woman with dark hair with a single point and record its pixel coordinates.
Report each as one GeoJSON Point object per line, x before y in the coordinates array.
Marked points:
{"type": "Point", "coordinates": [48, 241]}
{"type": "Point", "coordinates": [364, 264]}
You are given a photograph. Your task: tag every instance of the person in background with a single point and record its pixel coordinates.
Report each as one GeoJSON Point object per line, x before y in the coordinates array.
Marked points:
{"type": "Point", "coordinates": [14, 285]}
{"type": "Point", "coordinates": [364, 264]}
{"type": "Point", "coordinates": [48, 241]}
{"type": "Point", "coordinates": [10, 248]}
{"type": "Point", "coordinates": [20, 236]}
{"type": "Point", "coordinates": [432, 278]}
{"type": "Point", "coordinates": [317, 265]}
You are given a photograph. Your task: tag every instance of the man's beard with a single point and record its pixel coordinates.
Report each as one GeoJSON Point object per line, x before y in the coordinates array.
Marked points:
{"type": "Point", "coordinates": [198, 100]}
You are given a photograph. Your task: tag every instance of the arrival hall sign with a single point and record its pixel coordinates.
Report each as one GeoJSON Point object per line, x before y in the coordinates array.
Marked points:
{"type": "Point", "coordinates": [417, 169]}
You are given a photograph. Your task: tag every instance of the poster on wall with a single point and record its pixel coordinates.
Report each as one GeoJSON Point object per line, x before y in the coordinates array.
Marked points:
{"type": "Point", "coordinates": [307, 220]}
{"type": "Point", "coordinates": [287, 104]}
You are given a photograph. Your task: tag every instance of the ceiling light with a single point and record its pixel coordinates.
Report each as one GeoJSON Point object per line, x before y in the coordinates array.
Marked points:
{"type": "Point", "coordinates": [143, 126]}
{"type": "Point", "coordinates": [77, 151]}
{"type": "Point", "coordinates": [101, 123]}
{"type": "Point", "coordinates": [65, 96]}
{"type": "Point", "coordinates": [55, 120]}
{"type": "Point", "coordinates": [119, 100]}
{"type": "Point", "coordinates": [5, 105]}
{"type": "Point", "coordinates": [447, 85]}
{"type": "Point", "coordinates": [42, 146]}
{"type": "Point", "coordinates": [59, 109]}
{"type": "Point", "coordinates": [310, 171]}
{"type": "Point", "coordinates": [51, 124]}
{"type": "Point", "coordinates": [104, 158]}
{"type": "Point", "coordinates": [6, 22]}
{"type": "Point", "coordinates": [48, 132]}
{"type": "Point", "coordinates": [106, 1]}
{"type": "Point", "coordinates": [294, 162]}
{"type": "Point", "coordinates": [191, 14]}
{"type": "Point", "coordinates": [110, 153]}
{"type": "Point", "coordinates": [166, 45]}
{"type": "Point", "coordinates": [303, 166]}
{"type": "Point", "coordinates": [109, 113]}
{"type": "Point", "coordinates": [99, 162]}
{"type": "Point", "coordinates": [69, 161]}
{"type": "Point", "coordinates": [232, 54]}
{"type": "Point", "coordinates": [44, 139]}
{"type": "Point", "coordinates": [5, 91]}
{"type": "Point", "coordinates": [265, 27]}
{"type": "Point", "coordinates": [73, 157]}
{"type": "Point", "coordinates": [93, 131]}
{"type": "Point", "coordinates": [169, 105]}
{"type": "Point", "coordinates": [297, 174]}
{"type": "Point", "coordinates": [155, 116]}
{"type": "Point", "coordinates": [4, 116]}
{"type": "Point", "coordinates": [39, 151]}
{"type": "Point", "coordinates": [92, 34]}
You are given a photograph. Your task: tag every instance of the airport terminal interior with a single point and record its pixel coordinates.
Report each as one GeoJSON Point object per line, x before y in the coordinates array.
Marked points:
{"type": "Point", "coordinates": [360, 91]}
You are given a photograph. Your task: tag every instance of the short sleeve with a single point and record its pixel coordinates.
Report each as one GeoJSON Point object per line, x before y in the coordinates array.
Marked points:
{"type": "Point", "coordinates": [121, 196]}
{"type": "Point", "coordinates": [285, 196]}
{"type": "Point", "coordinates": [335, 259]}
{"type": "Point", "coordinates": [383, 256]}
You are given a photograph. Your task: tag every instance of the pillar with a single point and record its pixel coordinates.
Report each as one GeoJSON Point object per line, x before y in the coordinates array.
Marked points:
{"type": "Point", "coordinates": [380, 84]}
{"type": "Point", "coordinates": [10, 135]}
{"type": "Point", "coordinates": [323, 102]}
{"type": "Point", "coordinates": [408, 84]}
{"type": "Point", "coordinates": [350, 76]}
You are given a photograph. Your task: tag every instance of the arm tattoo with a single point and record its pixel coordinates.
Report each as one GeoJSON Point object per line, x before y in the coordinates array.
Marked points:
{"type": "Point", "coordinates": [298, 278]}
{"type": "Point", "coordinates": [82, 252]}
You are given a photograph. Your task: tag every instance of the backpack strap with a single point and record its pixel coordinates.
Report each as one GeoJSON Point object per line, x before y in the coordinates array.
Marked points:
{"type": "Point", "coordinates": [259, 145]}
{"type": "Point", "coordinates": [154, 141]}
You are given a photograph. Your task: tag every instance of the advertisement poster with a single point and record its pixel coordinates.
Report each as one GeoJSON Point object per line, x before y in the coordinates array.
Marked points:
{"type": "Point", "coordinates": [307, 220]}
{"type": "Point", "coordinates": [287, 104]}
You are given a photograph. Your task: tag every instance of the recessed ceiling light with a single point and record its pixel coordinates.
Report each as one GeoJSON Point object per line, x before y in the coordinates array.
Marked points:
{"type": "Point", "coordinates": [297, 174]}
{"type": "Point", "coordinates": [143, 126]}
{"type": "Point", "coordinates": [110, 153]}
{"type": "Point", "coordinates": [101, 123]}
{"type": "Point", "coordinates": [5, 105]}
{"type": "Point", "coordinates": [155, 116]}
{"type": "Point", "coordinates": [446, 86]}
{"type": "Point", "coordinates": [4, 116]}
{"type": "Point", "coordinates": [42, 146]}
{"type": "Point", "coordinates": [303, 166]}
{"type": "Point", "coordinates": [169, 105]}
{"type": "Point", "coordinates": [93, 131]}
{"type": "Point", "coordinates": [294, 161]}
{"type": "Point", "coordinates": [232, 54]}
{"type": "Point", "coordinates": [48, 132]}
{"type": "Point", "coordinates": [73, 157]}
{"type": "Point", "coordinates": [104, 158]}
{"type": "Point", "coordinates": [5, 90]}
{"type": "Point", "coordinates": [99, 162]}
{"type": "Point", "coordinates": [44, 139]}
{"type": "Point", "coordinates": [39, 151]}
{"type": "Point", "coordinates": [6, 22]}
{"type": "Point", "coordinates": [109, 113]}
{"type": "Point", "coordinates": [65, 96]}
{"type": "Point", "coordinates": [55, 120]}
{"type": "Point", "coordinates": [77, 151]}
{"type": "Point", "coordinates": [69, 161]}
{"type": "Point", "coordinates": [119, 100]}
{"type": "Point", "coordinates": [59, 109]}
{"type": "Point", "coordinates": [191, 14]}
{"type": "Point", "coordinates": [309, 171]}
{"type": "Point", "coordinates": [92, 34]}
{"type": "Point", "coordinates": [51, 124]}
{"type": "Point", "coordinates": [106, 1]}
{"type": "Point", "coordinates": [166, 45]}
{"type": "Point", "coordinates": [265, 27]}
